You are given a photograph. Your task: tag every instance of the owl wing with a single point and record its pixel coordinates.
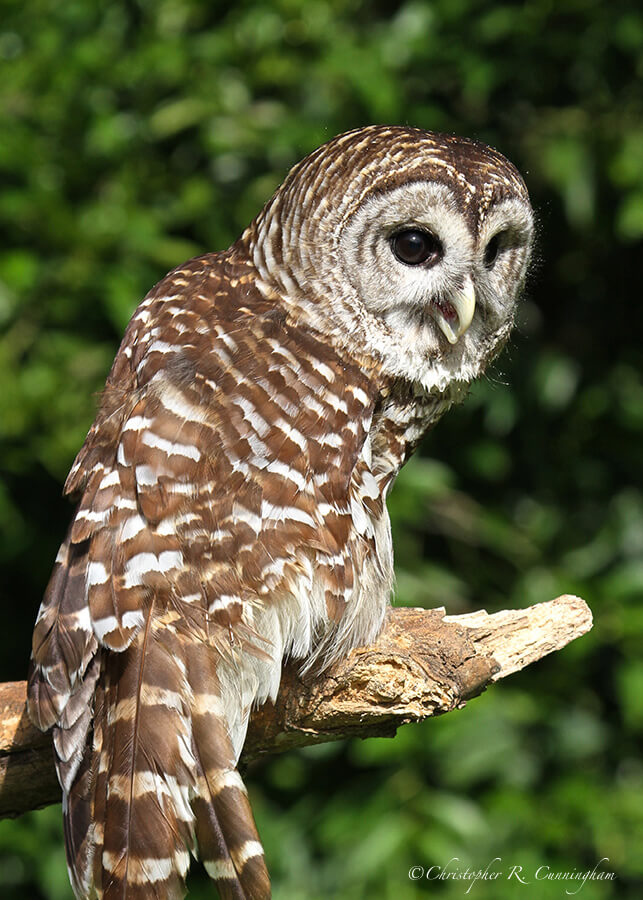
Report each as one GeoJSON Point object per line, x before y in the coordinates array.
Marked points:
{"type": "Point", "coordinates": [217, 476]}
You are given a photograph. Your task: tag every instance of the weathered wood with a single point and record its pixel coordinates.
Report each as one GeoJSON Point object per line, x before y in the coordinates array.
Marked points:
{"type": "Point", "coordinates": [423, 664]}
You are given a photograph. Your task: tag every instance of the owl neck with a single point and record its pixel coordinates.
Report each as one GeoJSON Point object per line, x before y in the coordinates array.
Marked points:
{"type": "Point", "coordinates": [334, 311]}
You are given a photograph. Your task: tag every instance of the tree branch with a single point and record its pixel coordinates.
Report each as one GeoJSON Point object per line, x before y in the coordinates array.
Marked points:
{"type": "Point", "coordinates": [423, 664]}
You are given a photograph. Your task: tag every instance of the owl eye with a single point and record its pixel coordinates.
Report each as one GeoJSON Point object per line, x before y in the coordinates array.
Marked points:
{"type": "Point", "coordinates": [415, 247]}
{"type": "Point", "coordinates": [492, 249]}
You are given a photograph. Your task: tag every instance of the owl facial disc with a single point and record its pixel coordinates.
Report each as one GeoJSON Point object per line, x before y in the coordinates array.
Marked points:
{"type": "Point", "coordinates": [457, 311]}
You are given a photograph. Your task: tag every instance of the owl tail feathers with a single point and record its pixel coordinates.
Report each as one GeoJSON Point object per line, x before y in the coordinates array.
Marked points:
{"type": "Point", "coordinates": [158, 781]}
{"type": "Point", "coordinates": [226, 833]}
{"type": "Point", "coordinates": [229, 845]}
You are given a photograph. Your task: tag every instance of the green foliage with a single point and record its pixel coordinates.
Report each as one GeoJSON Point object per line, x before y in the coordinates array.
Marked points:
{"type": "Point", "coordinates": [135, 135]}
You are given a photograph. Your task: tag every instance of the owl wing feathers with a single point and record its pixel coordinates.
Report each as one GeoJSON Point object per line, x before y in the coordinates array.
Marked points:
{"type": "Point", "coordinates": [218, 474]}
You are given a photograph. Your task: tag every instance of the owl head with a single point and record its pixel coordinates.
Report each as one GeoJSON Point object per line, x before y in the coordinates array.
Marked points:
{"type": "Point", "coordinates": [406, 245]}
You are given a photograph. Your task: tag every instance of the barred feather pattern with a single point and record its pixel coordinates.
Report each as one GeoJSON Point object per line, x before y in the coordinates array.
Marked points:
{"type": "Point", "coordinates": [231, 512]}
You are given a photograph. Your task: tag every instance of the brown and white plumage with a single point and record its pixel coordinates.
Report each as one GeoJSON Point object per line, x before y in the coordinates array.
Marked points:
{"type": "Point", "coordinates": [231, 493]}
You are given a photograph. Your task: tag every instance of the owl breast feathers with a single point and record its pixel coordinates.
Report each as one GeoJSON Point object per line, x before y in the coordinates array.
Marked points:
{"type": "Point", "coordinates": [231, 492]}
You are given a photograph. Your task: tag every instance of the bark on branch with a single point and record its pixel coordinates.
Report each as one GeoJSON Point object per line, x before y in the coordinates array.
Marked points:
{"type": "Point", "coordinates": [424, 663]}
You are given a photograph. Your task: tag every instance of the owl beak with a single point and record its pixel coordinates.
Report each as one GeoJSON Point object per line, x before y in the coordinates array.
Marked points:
{"type": "Point", "coordinates": [463, 306]}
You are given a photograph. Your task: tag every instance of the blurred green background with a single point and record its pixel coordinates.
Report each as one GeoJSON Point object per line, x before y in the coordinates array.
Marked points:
{"type": "Point", "coordinates": [136, 134]}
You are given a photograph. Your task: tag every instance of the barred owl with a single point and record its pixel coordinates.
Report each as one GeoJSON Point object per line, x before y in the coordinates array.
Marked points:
{"type": "Point", "coordinates": [231, 492]}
